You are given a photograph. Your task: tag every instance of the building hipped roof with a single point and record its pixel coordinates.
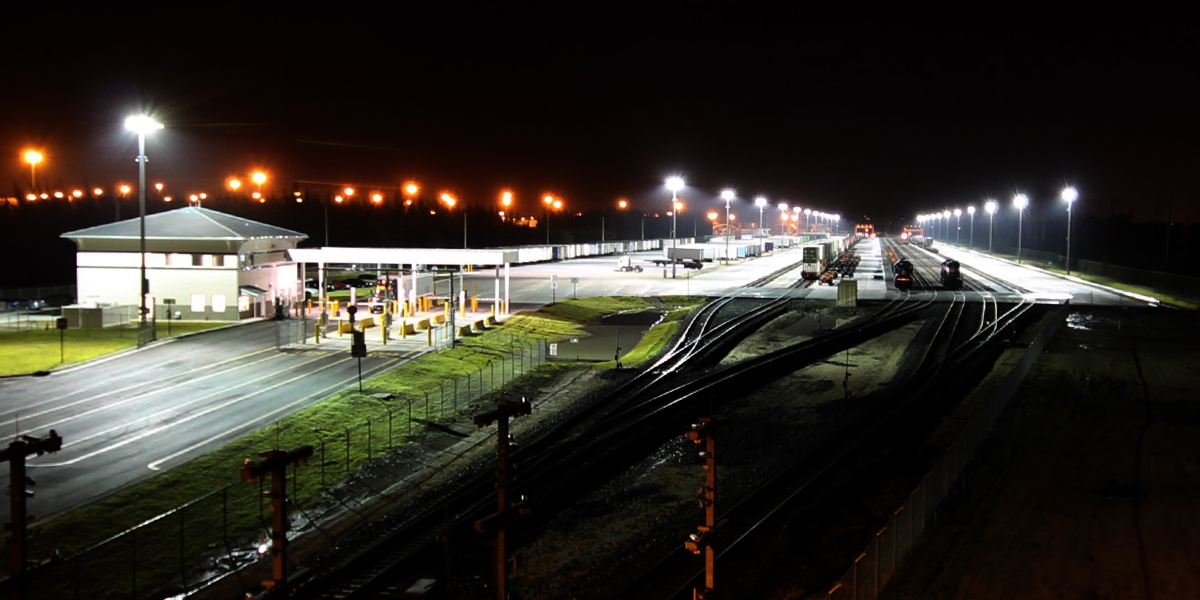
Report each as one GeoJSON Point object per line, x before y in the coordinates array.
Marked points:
{"type": "Point", "coordinates": [188, 223]}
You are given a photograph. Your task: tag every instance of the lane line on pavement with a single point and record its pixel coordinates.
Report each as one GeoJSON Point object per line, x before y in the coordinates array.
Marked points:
{"type": "Point", "coordinates": [205, 412]}
{"type": "Point", "coordinates": [175, 407]}
{"type": "Point", "coordinates": [26, 415]}
{"type": "Point", "coordinates": [157, 465]}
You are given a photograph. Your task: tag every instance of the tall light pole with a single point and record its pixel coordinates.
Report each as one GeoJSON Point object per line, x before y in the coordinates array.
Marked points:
{"type": "Point", "coordinates": [142, 125]}
{"type": "Point", "coordinates": [957, 225]}
{"type": "Point", "coordinates": [1020, 201]}
{"type": "Point", "coordinates": [760, 202]}
{"type": "Point", "coordinates": [547, 201]}
{"type": "Point", "coordinates": [990, 206]}
{"type": "Point", "coordinates": [674, 183]}
{"type": "Point", "coordinates": [33, 157]}
{"type": "Point", "coordinates": [971, 211]}
{"type": "Point", "coordinates": [1069, 194]}
{"type": "Point", "coordinates": [727, 194]}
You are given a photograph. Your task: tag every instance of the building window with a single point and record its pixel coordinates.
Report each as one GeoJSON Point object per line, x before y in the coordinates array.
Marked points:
{"type": "Point", "coordinates": [197, 260]}
{"type": "Point", "coordinates": [218, 303]}
{"type": "Point", "coordinates": [197, 303]}
{"type": "Point", "coordinates": [243, 303]}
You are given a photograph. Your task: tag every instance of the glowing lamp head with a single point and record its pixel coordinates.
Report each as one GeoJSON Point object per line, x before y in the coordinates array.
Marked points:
{"type": "Point", "coordinates": [712, 216]}
{"type": "Point", "coordinates": [377, 198]}
{"type": "Point", "coordinates": [674, 183]}
{"type": "Point", "coordinates": [971, 210]}
{"type": "Point", "coordinates": [339, 199]}
{"type": "Point", "coordinates": [141, 124]}
{"type": "Point", "coordinates": [1069, 194]}
{"type": "Point", "coordinates": [256, 196]}
{"type": "Point", "coordinates": [158, 186]}
{"type": "Point", "coordinates": [97, 192]}
{"type": "Point", "coordinates": [958, 212]}
{"type": "Point", "coordinates": [760, 201]}
{"type": "Point", "coordinates": [235, 184]}
{"type": "Point", "coordinates": [728, 194]}
{"type": "Point", "coordinates": [194, 198]}
{"type": "Point", "coordinates": [732, 216]}
{"type": "Point", "coordinates": [411, 188]}
{"type": "Point", "coordinates": [990, 206]}
{"type": "Point", "coordinates": [807, 212]}
{"type": "Point", "coordinates": [33, 157]}
{"type": "Point", "coordinates": [946, 214]}
{"type": "Point", "coordinates": [258, 178]}
{"type": "Point", "coordinates": [622, 204]}
{"type": "Point", "coordinates": [783, 206]}
{"type": "Point", "coordinates": [124, 189]}
{"type": "Point", "coordinates": [31, 197]}
{"type": "Point", "coordinates": [58, 195]}
{"type": "Point", "coordinates": [506, 198]}
{"type": "Point", "coordinates": [1020, 201]}
{"type": "Point", "coordinates": [557, 204]}
{"type": "Point", "coordinates": [348, 192]}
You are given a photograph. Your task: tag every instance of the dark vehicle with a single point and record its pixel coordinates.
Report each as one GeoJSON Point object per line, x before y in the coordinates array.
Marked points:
{"type": "Point", "coordinates": [333, 286]}
{"type": "Point", "coordinates": [951, 275]}
{"type": "Point", "coordinates": [903, 273]}
{"type": "Point", "coordinates": [364, 280]}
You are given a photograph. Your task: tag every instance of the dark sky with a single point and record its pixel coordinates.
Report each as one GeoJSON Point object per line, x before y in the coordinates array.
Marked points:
{"type": "Point", "coordinates": [876, 114]}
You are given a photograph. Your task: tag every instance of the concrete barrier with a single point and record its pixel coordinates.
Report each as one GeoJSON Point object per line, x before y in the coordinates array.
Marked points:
{"type": "Point", "coordinates": [480, 325]}
{"type": "Point", "coordinates": [421, 324]}
{"type": "Point", "coordinates": [464, 331]}
{"type": "Point", "coordinates": [438, 319]}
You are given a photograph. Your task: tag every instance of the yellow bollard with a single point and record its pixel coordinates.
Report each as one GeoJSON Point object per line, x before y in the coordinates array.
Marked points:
{"type": "Point", "coordinates": [463, 309]}
{"type": "Point", "coordinates": [403, 330]}
{"type": "Point", "coordinates": [493, 310]}
{"type": "Point", "coordinates": [429, 337]}
{"type": "Point", "coordinates": [316, 332]}
{"type": "Point", "coordinates": [446, 309]}
{"type": "Point", "coordinates": [383, 332]}
{"type": "Point", "coordinates": [474, 304]}
{"type": "Point", "coordinates": [339, 326]}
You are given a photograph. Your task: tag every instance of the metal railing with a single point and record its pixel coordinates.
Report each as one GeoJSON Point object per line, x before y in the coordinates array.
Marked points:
{"type": "Point", "coordinates": [874, 567]}
{"type": "Point", "coordinates": [226, 530]}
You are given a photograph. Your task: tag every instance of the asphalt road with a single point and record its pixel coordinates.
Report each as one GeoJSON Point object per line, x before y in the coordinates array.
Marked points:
{"type": "Point", "coordinates": [130, 416]}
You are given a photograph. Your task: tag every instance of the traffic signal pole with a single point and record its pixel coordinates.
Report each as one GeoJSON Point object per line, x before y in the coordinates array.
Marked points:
{"type": "Point", "coordinates": [19, 482]}
{"type": "Point", "coordinates": [275, 464]}
{"type": "Point", "coordinates": [704, 433]}
{"type": "Point", "coordinates": [499, 520]}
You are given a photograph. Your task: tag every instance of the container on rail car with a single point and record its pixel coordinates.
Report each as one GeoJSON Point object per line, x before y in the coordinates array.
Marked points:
{"type": "Point", "coordinates": [811, 263]}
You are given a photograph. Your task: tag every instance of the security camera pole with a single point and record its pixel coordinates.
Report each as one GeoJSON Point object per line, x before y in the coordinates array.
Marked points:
{"type": "Point", "coordinates": [276, 465]}
{"type": "Point", "coordinates": [705, 432]}
{"type": "Point", "coordinates": [15, 454]}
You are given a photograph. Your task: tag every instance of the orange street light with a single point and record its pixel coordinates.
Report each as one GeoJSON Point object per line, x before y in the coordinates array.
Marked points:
{"type": "Point", "coordinates": [203, 196]}
{"type": "Point", "coordinates": [548, 199]}
{"type": "Point", "coordinates": [124, 189]}
{"type": "Point", "coordinates": [506, 198]}
{"type": "Point", "coordinates": [257, 196]}
{"type": "Point", "coordinates": [33, 157]}
{"type": "Point", "coordinates": [622, 204]}
{"type": "Point", "coordinates": [194, 198]}
{"type": "Point", "coordinates": [376, 197]}
{"type": "Point", "coordinates": [558, 205]}
{"type": "Point", "coordinates": [58, 195]}
{"type": "Point", "coordinates": [349, 191]}
{"type": "Point", "coordinates": [338, 199]}
{"type": "Point", "coordinates": [158, 186]}
{"type": "Point", "coordinates": [234, 183]}
{"type": "Point", "coordinates": [259, 178]}
{"type": "Point", "coordinates": [31, 197]}
{"type": "Point", "coordinates": [77, 193]}
{"type": "Point", "coordinates": [411, 188]}
{"type": "Point", "coordinates": [449, 200]}
{"type": "Point", "coordinates": [97, 192]}
{"type": "Point", "coordinates": [712, 216]}
{"type": "Point", "coordinates": [166, 198]}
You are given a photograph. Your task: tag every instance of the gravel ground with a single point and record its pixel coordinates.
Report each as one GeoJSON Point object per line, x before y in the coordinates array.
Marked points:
{"type": "Point", "coordinates": [1088, 487]}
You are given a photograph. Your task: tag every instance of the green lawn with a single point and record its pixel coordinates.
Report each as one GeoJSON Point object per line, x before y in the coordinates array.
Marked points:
{"type": "Point", "coordinates": [353, 427]}
{"type": "Point", "coordinates": [35, 350]}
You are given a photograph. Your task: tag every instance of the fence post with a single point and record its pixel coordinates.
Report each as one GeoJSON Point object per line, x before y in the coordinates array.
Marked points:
{"type": "Point", "coordinates": [182, 552]}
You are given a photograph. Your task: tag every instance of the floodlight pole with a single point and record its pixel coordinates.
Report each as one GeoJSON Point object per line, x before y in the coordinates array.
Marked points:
{"type": "Point", "coordinates": [141, 159]}
{"type": "Point", "coordinates": [674, 242]}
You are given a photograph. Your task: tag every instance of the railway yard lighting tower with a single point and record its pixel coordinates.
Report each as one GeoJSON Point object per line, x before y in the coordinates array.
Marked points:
{"type": "Point", "coordinates": [1020, 201]}
{"type": "Point", "coordinates": [946, 223]}
{"type": "Point", "coordinates": [1069, 194]}
{"type": "Point", "coordinates": [142, 125]}
{"type": "Point", "coordinates": [957, 225]}
{"type": "Point", "coordinates": [990, 206]}
{"type": "Point", "coordinates": [971, 238]}
{"type": "Point", "coordinates": [727, 194]}
{"type": "Point", "coordinates": [760, 202]}
{"type": "Point", "coordinates": [674, 183]}
{"type": "Point", "coordinates": [33, 157]}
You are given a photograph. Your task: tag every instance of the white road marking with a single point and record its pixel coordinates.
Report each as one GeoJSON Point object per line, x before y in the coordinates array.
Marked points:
{"type": "Point", "coordinates": [25, 407]}
{"type": "Point", "coordinates": [193, 417]}
{"type": "Point", "coordinates": [157, 465]}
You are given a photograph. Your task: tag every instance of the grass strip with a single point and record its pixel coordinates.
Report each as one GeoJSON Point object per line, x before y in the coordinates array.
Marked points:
{"type": "Point", "coordinates": [33, 350]}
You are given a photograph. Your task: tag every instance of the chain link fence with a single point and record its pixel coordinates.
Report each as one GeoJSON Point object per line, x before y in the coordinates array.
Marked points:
{"type": "Point", "coordinates": [887, 549]}
{"type": "Point", "coordinates": [228, 529]}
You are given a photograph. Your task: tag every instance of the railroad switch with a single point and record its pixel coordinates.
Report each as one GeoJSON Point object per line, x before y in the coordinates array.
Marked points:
{"type": "Point", "coordinates": [18, 492]}
{"type": "Point", "coordinates": [705, 433]}
{"type": "Point", "coordinates": [275, 464]}
{"type": "Point", "coordinates": [499, 521]}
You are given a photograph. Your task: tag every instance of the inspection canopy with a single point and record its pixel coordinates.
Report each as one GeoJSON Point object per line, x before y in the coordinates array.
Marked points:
{"type": "Point", "coordinates": [403, 256]}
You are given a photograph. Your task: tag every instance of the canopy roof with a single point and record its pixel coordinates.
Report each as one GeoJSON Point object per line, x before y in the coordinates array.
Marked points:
{"type": "Point", "coordinates": [188, 223]}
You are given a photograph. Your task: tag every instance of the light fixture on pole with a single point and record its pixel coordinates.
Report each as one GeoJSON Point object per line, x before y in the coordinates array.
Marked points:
{"type": "Point", "coordinates": [971, 237]}
{"type": "Point", "coordinates": [547, 203]}
{"type": "Point", "coordinates": [990, 206]}
{"type": "Point", "coordinates": [1020, 201]}
{"type": "Point", "coordinates": [674, 183]}
{"type": "Point", "coordinates": [957, 225]}
{"type": "Point", "coordinates": [807, 219]}
{"type": "Point", "coordinates": [1069, 194]}
{"type": "Point", "coordinates": [142, 125]}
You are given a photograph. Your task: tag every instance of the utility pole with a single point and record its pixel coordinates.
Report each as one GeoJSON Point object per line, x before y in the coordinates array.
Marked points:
{"type": "Point", "coordinates": [499, 520]}
{"type": "Point", "coordinates": [703, 541]}
{"type": "Point", "coordinates": [19, 482]}
{"type": "Point", "coordinates": [276, 464]}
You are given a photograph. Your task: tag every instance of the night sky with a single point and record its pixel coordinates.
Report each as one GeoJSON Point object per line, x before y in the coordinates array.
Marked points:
{"type": "Point", "coordinates": [875, 115]}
